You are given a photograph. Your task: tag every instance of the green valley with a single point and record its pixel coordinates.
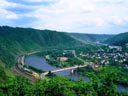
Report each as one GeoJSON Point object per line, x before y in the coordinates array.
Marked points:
{"type": "Point", "coordinates": [17, 41]}
{"type": "Point", "coordinates": [104, 65]}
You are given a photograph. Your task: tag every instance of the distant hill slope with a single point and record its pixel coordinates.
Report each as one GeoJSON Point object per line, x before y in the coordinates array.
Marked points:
{"type": "Point", "coordinates": [14, 41]}
{"type": "Point", "coordinates": [91, 37]}
{"type": "Point", "coordinates": [120, 39]}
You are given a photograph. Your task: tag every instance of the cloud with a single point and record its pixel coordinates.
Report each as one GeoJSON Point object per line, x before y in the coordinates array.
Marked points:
{"type": "Point", "coordinates": [117, 20]}
{"type": "Point", "coordinates": [33, 2]}
{"type": "Point", "coordinates": [7, 14]}
{"type": "Point", "coordinates": [90, 16]}
{"type": "Point", "coordinates": [20, 9]}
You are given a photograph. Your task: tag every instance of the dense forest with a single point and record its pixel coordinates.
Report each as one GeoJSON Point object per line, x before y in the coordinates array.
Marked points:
{"type": "Point", "coordinates": [91, 37]}
{"type": "Point", "coordinates": [17, 41]}
{"type": "Point", "coordinates": [60, 86]}
{"type": "Point", "coordinates": [119, 40]}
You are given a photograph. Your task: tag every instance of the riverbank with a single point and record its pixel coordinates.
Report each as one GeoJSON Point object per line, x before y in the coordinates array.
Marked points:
{"type": "Point", "coordinates": [21, 68]}
{"type": "Point", "coordinates": [40, 63]}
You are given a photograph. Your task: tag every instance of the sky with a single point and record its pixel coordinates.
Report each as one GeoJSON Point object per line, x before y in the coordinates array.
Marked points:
{"type": "Point", "coordinates": [81, 16]}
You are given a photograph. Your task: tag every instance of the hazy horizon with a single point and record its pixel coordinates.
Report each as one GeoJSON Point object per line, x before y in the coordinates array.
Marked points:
{"type": "Point", "coordinates": [72, 16]}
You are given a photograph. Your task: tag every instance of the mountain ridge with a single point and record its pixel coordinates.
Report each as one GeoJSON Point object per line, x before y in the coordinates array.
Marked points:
{"type": "Point", "coordinates": [91, 37]}
{"type": "Point", "coordinates": [15, 41]}
{"type": "Point", "coordinates": [119, 40]}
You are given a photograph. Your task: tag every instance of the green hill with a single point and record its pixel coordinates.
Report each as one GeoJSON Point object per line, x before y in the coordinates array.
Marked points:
{"type": "Point", "coordinates": [119, 40]}
{"type": "Point", "coordinates": [91, 37]}
{"type": "Point", "coordinates": [17, 41]}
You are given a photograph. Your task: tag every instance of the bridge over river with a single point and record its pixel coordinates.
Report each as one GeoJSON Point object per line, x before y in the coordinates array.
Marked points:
{"type": "Point", "coordinates": [63, 69]}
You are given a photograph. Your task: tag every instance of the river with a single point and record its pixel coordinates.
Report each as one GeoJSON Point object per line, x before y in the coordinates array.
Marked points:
{"type": "Point", "coordinates": [40, 63]}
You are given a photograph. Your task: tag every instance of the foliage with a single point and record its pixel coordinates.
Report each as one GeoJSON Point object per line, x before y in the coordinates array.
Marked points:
{"type": "Point", "coordinates": [35, 69]}
{"type": "Point", "coordinates": [50, 74]}
{"type": "Point", "coordinates": [3, 76]}
{"type": "Point", "coordinates": [91, 37]}
{"type": "Point", "coordinates": [119, 40]}
{"type": "Point", "coordinates": [17, 41]}
{"type": "Point", "coordinates": [61, 86]}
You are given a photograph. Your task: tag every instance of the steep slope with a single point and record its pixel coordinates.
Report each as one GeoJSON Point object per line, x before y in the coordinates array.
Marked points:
{"type": "Point", "coordinates": [120, 39]}
{"type": "Point", "coordinates": [91, 37]}
{"type": "Point", "coordinates": [14, 41]}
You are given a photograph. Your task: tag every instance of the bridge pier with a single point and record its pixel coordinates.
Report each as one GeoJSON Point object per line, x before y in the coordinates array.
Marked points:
{"type": "Point", "coordinates": [72, 71]}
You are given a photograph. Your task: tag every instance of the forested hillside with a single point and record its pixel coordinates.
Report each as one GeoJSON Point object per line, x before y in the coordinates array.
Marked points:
{"type": "Point", "coordinates": [91, 37]}
{"type": "Point", "coordinates": [100, 85]}
{"type": "Point", "coordinates": [17, 41]}
{"type": "Point", "coordinates": [120, 39]}
{"type": "Point", "coordinates": [14, 41]}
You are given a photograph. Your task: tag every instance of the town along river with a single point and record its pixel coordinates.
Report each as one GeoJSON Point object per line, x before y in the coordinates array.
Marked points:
{"type": "Point", "coordinates": [40, 63]}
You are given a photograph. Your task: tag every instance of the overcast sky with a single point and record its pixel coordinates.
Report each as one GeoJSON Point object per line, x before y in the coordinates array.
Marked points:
{"type": "Point", "coordinates": [83, 16]}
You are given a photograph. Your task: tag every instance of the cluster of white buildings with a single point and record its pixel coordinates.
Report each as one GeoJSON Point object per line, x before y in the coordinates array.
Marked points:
{"type": "Point", "coordinates": [105, 58]}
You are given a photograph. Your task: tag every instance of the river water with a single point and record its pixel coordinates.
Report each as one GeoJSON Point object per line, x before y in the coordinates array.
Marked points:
{"type": "Point", "coordinates": [40, 63]}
